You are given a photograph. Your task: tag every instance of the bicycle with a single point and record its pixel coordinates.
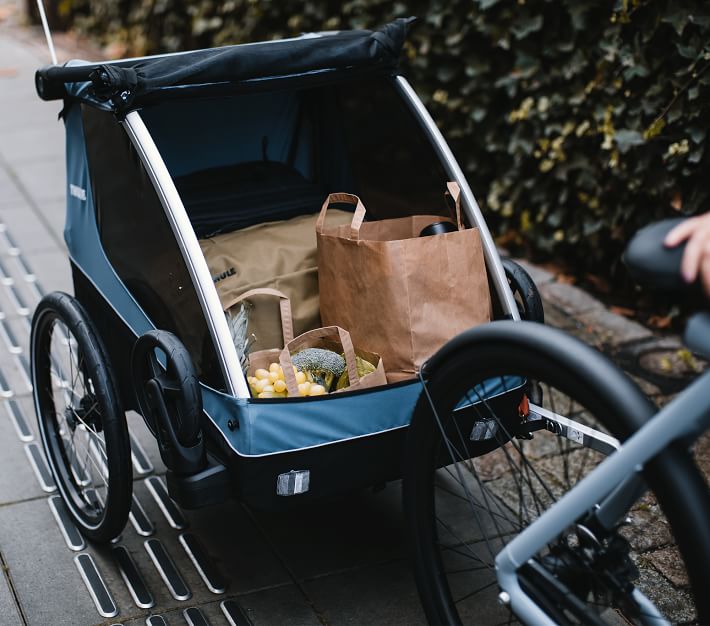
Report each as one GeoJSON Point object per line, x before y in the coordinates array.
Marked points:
{"type": "Point", "coordinates": [489, 545]}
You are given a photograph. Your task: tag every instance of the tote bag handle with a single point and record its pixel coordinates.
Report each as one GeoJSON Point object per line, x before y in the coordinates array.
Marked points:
{"type": "Point", "coordinates": [343, 198]}
{"type": "Point", "coordinates": [284, 305]}
{"type": "Point", "coordinates": [454, 191]}
{"type": "Point", "coordinates": [306, 340]}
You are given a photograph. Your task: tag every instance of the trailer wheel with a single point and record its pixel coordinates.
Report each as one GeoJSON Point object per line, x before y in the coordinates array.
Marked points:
{"type": "Point", "coordinates": [81, 420]}
{"type": "Point", "coordinates": [524, 291]}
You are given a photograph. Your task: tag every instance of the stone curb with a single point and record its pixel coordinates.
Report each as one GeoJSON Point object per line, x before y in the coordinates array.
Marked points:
{"type": "Point", "coordinates": [584, 308]}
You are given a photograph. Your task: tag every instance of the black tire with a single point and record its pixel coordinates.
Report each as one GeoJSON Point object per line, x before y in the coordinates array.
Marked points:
{"type": "Point", "coordinates": [525, 292]}
{"type": "Point", "coordinates": [460, 513]}
{"type": "Point", "coordinates": [184, 401]}
{"type": "Point", "coordinates": [75, 392]}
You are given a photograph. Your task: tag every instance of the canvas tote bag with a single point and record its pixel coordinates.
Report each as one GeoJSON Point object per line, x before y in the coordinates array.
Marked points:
{"type": "Point", "coordinates": [400, 295]}
{"type": "Point", "coordinates": [263, 358]}
{"type": "Point", "coordinates": [280, 255]}
{"type": "Point", "coordinates": [336, 339]}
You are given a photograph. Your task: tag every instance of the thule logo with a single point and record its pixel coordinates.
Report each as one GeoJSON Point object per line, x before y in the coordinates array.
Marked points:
{"type": "Point", "coordinates": [77, 192]}
{"type": "Point", "coordinates": [225, 274]}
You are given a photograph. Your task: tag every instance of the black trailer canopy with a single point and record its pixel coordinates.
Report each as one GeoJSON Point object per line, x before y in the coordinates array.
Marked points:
{"type": "Point", "coordinates": [126, 84]}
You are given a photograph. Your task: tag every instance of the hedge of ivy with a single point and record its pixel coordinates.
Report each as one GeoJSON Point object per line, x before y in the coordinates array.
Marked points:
{"type": "Point", "coordinates": [577, 121]}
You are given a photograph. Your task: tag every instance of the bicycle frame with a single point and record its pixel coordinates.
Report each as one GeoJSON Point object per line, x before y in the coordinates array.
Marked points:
{"type": "Point", "coordinates": [686, 416]}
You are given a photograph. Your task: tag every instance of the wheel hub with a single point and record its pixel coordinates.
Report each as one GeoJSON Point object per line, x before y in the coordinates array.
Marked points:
{"type": "Point", "coordinates": [86, 413]}
{"type": "Point", "coordinates": [588, 566]}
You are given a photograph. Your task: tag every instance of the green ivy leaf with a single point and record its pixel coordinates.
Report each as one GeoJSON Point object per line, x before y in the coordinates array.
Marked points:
{"type": "Point", "coordinates": [626, 139]}
{"type": "Point", "coordinates": [678, 20]}
{"type": "Point", "coordinates": [486, 4]}
{"type": "Point", "coordinates": [527, 25]}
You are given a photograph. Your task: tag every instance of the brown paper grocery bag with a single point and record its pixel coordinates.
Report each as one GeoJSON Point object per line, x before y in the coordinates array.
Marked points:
{"type": "Point", "coordinates": [338, 340]}
{"type": "Point", "coordinates": [263, 358]}
{"type": "Point", "coordinates": [400, 295]}
{"type": "Point", "coordinates": [280, 255]}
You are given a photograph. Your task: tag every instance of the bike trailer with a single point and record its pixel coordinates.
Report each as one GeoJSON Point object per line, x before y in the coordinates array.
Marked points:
{"type": "Point", "coordinates": [165, 150]}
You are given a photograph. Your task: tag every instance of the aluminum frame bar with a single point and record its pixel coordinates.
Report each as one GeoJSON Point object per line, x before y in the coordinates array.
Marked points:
{"type": "Point", "coordinates": [192, 254]}
{"type": "Point", "coordinates": [469, 204]}
{"type": "Point", "coordinates": [687, 414]}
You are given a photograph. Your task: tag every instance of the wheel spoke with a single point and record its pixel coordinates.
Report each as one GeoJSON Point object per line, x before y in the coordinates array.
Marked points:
{"type": "Point", "coordinates": [480, 503]}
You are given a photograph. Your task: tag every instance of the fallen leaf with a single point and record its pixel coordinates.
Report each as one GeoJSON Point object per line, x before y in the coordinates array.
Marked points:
{"type": "Point", "coordinates": [659, 321]}
{"type": "Point", "coordinates": [600, 284]}
{"type": "Point", "coordinates": [677, 201]}
{"type": "Point", "coordinates": [623, 311]}
{"type": "Point", "coordinates": [507, 238]}
{"type": "Point", "coordinates": [8, 72]}
{"type": "Point", "coordinates": [566, 279]}
{"type": "Point", "coordinates": [687, 358]}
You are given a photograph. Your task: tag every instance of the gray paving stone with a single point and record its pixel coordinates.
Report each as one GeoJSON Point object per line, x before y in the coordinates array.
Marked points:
{"type": "Point", "coordinates": [229, 538]}
{"type": "Point", "coordinates": [54, 214]}
{"type": "Point", "coordinates": [17, 480]}
{"type": "Point", "coordinates": [29, 232]}
{"type": "Point", "coordinates": [52, 269]}
{"type": "Point", "coordinates": [24, 404]}
{"type": "Point", "coordinates": [570, 299]}
{"type": "Point", "coordinates": [539, 275]}
{"type": "Point", "coordinates": [237, 547]}
{"type": "Point", "coordinates": [43, 180]}
{"type": "Point", "coordinates": [16, 371]}
{"type": "Point", "coordinates": [140, 432]}
{"type": "Point", "coordinates": [34, 143]}
{"type": "Point", "coordinates": [42, 568]}
{"type": "Point", "coordinates": [383, 594]}
{"type": "Point", "coordinates": [9, 193]}
{"type": "Point", "coordinates": [353, 530]}
{"type": "Point", "coordinates": [613, 328]}
{"type": "Point", "coordinates": [282, 606]}
{"type": "Point", "coordinates": [20, 106]}
{"type": "Point", "coordinates": [8, 609]}
{"type": "Point", "coordinates": [554, 316]}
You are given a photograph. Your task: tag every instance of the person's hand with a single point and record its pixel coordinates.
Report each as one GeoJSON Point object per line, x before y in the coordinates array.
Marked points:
{"type": "Point", "coordinates": [696, 258]}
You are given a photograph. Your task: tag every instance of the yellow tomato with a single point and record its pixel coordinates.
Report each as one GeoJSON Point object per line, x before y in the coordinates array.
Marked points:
{"type": "Point", "coordinates": [317, 390]}
{"type": "Point", "coordinates": [261, 383]}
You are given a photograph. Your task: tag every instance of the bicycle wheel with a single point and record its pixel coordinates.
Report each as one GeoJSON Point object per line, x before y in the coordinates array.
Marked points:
{"type": "Point", "coordinates": [502, 387]}
{"type": "Point", "coordinates": [81, 422]}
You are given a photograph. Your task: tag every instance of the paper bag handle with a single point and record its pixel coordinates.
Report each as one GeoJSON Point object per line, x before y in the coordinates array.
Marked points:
{"type": "Point", "coordinates": [343, 198]}
{"type": "Point", "coordinates": [454, 191]}
{"type": "Point", "coordinates": [284, 305]}
{"type": "Point", "coordinates": [319, 333]}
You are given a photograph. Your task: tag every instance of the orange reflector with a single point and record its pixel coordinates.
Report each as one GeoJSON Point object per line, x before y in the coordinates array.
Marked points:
{"type": "Point", "coordinates": [524, 407]}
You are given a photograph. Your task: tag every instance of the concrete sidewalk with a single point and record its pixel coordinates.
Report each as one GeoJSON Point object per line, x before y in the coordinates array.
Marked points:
{"type": "Point", "coordinates": [328, 565]}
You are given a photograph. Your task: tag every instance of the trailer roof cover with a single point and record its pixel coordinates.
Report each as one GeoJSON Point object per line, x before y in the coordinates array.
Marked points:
{"type": "Point", "coordinates": [128, 83]}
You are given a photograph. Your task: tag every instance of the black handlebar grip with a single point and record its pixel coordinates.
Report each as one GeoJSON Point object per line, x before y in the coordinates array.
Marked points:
{"type": "Point", "coordinates": [49, 80]}
{"type": "Point", "coordinates": [650, 262]}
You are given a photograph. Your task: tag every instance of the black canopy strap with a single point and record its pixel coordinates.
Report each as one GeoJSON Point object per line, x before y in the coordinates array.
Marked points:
{"type": "Point", "coordinates": [125, 83]}
{"type": "Point", "coordinates": [118, 84]}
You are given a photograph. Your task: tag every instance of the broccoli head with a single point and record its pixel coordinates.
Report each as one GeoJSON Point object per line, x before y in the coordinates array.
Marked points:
{"type": "Point", "coordinates": [323, 366]}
